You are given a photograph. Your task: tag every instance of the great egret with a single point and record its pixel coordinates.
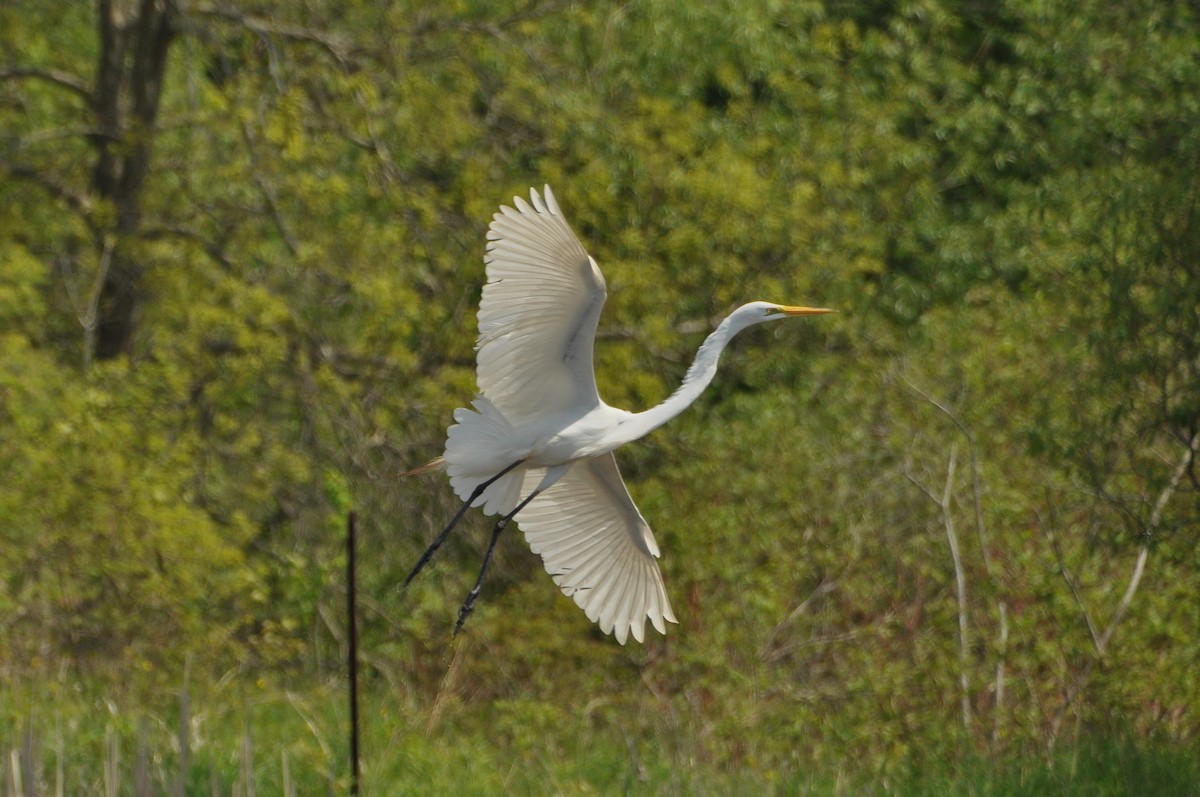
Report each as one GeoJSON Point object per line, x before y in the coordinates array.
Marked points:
{"type": "Point", "coordinates": [539, 440]}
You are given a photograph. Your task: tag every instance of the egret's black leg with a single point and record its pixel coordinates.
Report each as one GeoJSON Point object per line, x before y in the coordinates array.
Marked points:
{"type": "Point", "coordinates": [478, 491]}
{"type": "Point", "coordinates": [469, 603]}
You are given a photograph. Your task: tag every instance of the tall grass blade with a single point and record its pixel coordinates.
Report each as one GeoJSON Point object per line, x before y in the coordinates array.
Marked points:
{"type": "Point", "coordinates": [247, 757]}
{"type": "Point", "coordinates": [141, 762]}
{"type": "Point", "coordinates": [112, 762]}
{"type": "Point", "coordinates": [184, 719]}
{"type": "Point", "coordinates": [29, 760]}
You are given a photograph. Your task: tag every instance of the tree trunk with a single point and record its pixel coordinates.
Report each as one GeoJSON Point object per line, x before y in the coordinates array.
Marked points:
{"type": "Point", "coordinates": [135, 38]}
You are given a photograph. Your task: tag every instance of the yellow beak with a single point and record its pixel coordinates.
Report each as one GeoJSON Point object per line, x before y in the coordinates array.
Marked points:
{"type": "Point", "coordinates": [804, 310]}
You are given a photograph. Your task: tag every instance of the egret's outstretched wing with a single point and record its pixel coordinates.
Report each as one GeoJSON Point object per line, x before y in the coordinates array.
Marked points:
{"type": "Point", "coordinates": [538, 314]}
{"type": "Point", "coordinates": [598, 548]}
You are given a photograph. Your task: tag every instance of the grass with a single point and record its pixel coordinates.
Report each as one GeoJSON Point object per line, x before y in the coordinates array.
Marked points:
{"type": "Point", "coordinates": [258, 740]}
{"type": "Point", "coordinates": [1096, 766]}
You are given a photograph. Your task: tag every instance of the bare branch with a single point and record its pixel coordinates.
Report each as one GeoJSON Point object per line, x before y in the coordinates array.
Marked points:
{"type": "Point", "coordinates": [1135, 578]}
{"type": "Point", "coordinates": [78, 201]}
{"type": "Point", "coordinates": [34, 138]}
{"type": "Point", "coordinates": [981, 529]}
{"type": "Point", "coordinates": [213, 249]}
{"type": "Point", "coordinates": [960, 577]}
{"type": "Point", "coordinates": [1185, 462]}
{"type": "Point", "coordinates": [985, 552]}
{"type": "Point", "coordinates": [56, 77]}
{"type": "Point", "coordinates": [960, 582]}
{"type": "Point", "coordinates": [334, 45]}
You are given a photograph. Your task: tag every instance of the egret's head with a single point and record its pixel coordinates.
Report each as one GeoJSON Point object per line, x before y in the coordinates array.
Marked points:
{"type": "Point", "coordinates": [770, 310]}
{"type": "Point", "coordinates": [757, 312]}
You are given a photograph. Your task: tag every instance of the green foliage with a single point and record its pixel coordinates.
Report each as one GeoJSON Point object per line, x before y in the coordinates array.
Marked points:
{"type": "Point", "coordinates": [78, 570]}
{"type": "Point", "coordinates": [998, 198]}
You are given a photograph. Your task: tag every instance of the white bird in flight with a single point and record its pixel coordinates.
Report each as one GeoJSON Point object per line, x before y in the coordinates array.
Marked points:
{"type": "Point", "coordinates": [539, 441]}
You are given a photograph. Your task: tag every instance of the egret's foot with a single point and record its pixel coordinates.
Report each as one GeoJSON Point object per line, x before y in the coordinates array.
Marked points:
{"type": "Point", "coordinates": [467, 607]}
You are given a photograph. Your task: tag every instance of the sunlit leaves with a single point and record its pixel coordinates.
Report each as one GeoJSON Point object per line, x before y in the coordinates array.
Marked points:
{"type": "Point", "coordinates": [996, 197]}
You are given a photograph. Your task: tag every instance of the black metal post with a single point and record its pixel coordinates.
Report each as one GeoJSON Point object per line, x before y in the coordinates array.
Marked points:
{"type": "Point", "coordinates": [353, 635]}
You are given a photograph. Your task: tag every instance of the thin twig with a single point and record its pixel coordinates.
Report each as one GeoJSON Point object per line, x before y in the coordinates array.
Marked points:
{"type": "Point", "coordinates": [268, 193]}
{"type": "Point", "coordinates": [1060, 560]}
{"type": "Point", "coordinates": [822, 589]}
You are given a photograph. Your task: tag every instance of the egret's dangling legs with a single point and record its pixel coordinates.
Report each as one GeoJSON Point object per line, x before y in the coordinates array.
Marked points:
{"type": "Point", "coordinates": [469, 603]}
{"type": "Point", "coordinates": [553, 474]}
{"type": "Point", "coordinates": [478, 491]}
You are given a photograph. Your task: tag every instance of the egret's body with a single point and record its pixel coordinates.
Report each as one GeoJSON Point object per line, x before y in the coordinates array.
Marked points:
{"type": "Point", "coordinates": [595, 433]}
{"type": "Point", "coordinates": [538, 441]}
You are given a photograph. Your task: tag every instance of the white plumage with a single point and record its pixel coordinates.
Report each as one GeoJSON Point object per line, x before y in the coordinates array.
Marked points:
{"type": "Point", "coordinates": [598, 548]}
{"type": "Point", "coordinates": [538, 443]}
{"type": "Point", "coordinates": [538, 314]}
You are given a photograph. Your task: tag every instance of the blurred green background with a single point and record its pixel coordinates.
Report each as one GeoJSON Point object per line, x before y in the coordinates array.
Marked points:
{"type": "Point", "coordinates": [942, 542]}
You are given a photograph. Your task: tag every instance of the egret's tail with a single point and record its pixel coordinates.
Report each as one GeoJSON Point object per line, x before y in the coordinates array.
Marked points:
{"type": "Point", "coordinates": [437, 463]}
{"type": "Point", "coordinates": [478, 446]}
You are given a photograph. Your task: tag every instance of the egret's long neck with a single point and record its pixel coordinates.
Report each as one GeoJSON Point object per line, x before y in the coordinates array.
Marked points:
{"type": "Point", "coordinates": [698, 377]}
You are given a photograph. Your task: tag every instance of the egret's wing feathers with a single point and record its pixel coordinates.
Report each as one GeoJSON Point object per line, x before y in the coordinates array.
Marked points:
{"type": "Point", "coordinates": [598, 548]}
{"type": "Point", "coordinates": [538, 313]}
